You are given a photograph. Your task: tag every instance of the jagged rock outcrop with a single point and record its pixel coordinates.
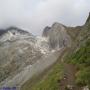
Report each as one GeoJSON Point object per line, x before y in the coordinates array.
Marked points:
{"type": "Point", "coordinates": [88, 19]}
{"type": "Point", "coordinates": [57, 36]}
{"type": "Point", "coordinates": [2, 32]}
{"type": "Point", "coordinates": [46, 31]}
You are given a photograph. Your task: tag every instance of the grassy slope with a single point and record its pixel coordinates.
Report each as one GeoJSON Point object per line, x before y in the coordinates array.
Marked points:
{"type": "Point", "coordinates": [81, 58]}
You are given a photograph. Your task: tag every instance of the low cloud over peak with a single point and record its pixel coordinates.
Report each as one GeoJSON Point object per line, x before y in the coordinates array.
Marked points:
{"type": "Point", "coordinates": [34, 15]}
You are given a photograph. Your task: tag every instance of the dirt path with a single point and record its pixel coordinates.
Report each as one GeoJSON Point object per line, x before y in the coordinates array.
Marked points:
{"type": "Point", "coordinates": [69, 78]}
{"type": "Point", "coordinates": [69, 75]}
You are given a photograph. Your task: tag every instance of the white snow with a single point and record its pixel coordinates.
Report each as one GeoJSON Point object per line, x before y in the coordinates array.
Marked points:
{"type": "Point", "coordinates": [6, 36]}
{"type": "Point", "coordinates": [42, 44]}
{"type": "Point", "coordinates": [11, 36]}
{"type": "Point", "coordinates": [39, 42]}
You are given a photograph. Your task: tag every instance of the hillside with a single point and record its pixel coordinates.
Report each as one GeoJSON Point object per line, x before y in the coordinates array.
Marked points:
{"type": "Point", "coordinates": [75, 61]}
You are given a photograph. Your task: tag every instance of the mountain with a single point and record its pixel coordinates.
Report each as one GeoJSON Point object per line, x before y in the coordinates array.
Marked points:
{"type": "Point", "coordinates": [23, 55]}
{"type": "Point", "coordinates": [57, 36]}
{"type": "Point", "coordinates": [14, 31]}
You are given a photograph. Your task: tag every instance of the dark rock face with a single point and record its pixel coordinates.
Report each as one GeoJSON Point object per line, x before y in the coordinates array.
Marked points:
{"type": "Point", "coordinates": [46, 31]}
{"type": "Point", "coordinates": [17, 30]}
{"type": "Point", "coordinates": [88, 19]}
{"type": "Point", "coordinates": [13, 30]}
{"type": "Point", "coordinates": [2, 32]}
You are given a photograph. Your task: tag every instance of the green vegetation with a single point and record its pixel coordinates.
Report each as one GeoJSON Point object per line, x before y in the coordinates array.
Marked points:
{"type": "Point", "coordinates": [51, 80]}
{"type": "Point", "coordinates": [81, 58]}
{"type": "Point", "coordinates": [83, 77]}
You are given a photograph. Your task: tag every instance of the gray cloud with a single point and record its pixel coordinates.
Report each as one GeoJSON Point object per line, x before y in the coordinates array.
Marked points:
{"type": "Point", "coordinates": [34, 15]}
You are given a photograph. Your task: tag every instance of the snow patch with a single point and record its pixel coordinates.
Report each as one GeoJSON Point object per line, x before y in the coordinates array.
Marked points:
{"type": "Point", "coordinates": [42, 44]}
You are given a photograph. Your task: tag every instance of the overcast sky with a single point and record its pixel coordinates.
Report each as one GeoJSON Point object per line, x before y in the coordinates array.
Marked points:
{"type": "Point", "coordinates": [34, 15]}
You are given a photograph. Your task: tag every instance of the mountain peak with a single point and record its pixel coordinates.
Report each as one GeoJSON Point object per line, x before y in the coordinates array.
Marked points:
{"type": "Point", "coordinates": [56, 24]}
{"type": "Point", "coordinates": [16, 29]}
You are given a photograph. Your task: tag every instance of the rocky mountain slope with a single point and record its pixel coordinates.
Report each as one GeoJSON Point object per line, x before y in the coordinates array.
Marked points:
{"type": "Point", "coordinates": [20, 50]}
{"type": "Point", "coordinates": [23, 55]}
{"type": "Point", "coordinates": [57, 36]}
{"type": "Point", "coordinates": [75, 61]}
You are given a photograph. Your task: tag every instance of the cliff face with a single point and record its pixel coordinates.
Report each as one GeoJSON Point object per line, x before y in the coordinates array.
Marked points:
{"type": "Point", "coordinates": [88, 19]}
{"type": "Point", "coordinates": [46, 31]}
{"type": "Point", "coordinates": [62, 36]}
{"type": "Point", "coordinates": [57, 36]}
